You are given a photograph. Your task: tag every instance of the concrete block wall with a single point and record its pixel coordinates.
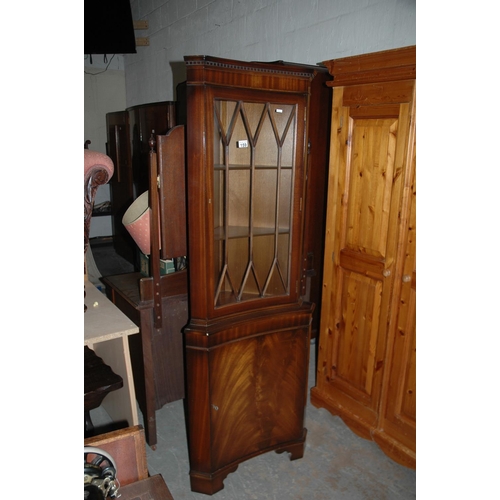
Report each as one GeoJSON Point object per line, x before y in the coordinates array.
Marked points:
{"type": "Point", "coordinates": [303, 31]}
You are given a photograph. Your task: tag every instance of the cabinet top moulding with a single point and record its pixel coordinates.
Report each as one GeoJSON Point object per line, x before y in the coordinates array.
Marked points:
{"type": "Point", "coordinates": [388, 65]}
{"type": "Point", "coordinates": [269, 76]}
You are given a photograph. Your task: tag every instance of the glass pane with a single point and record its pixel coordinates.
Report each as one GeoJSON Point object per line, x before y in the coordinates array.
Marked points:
{"type": "Point", "coordinates": [254, 155]}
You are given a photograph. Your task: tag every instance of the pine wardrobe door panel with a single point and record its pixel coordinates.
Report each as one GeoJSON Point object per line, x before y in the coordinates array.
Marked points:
{"type": "Point", "coordinates": [396, 432]}
{"type": "Point", "coordinates": [369, 166]}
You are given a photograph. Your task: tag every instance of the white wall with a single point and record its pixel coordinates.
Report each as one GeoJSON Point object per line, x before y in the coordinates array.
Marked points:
{"type": "Point", "coordinates": [303, 31]}
{"type": "Point", "coordinates": [104, 91]}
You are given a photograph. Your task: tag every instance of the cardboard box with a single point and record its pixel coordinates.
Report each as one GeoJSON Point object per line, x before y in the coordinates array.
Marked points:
{"type": "Point", "coordinates": [166, 266]}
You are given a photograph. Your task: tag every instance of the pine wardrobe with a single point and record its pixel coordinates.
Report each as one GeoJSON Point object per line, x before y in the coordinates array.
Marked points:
{"type": "Point", "coordinates": [366, 369]}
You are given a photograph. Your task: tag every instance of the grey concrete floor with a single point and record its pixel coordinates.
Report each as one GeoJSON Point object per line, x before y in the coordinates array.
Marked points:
{"type": "Point", "coordinates": [337, 464]}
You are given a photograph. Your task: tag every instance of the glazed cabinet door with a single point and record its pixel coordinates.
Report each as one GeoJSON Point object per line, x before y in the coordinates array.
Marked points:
{"type": "Point", "coordinates": [369, 169]}
{"type": "Point", "coordinates": [254, 167]}
{"type": "Point", "coordinates": [255, 199]}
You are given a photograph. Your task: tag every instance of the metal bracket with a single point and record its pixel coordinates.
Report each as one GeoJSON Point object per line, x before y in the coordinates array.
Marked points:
{"type": "Point", "coordinates": [141, 25]}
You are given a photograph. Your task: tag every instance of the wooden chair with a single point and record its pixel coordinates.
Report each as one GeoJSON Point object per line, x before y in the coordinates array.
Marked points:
{"type": "Point", "coordinates": [159, 304]}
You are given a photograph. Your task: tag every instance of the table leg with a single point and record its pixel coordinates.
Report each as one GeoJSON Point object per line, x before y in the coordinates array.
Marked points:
{"type": "Point", "coordinates": [147, 332]}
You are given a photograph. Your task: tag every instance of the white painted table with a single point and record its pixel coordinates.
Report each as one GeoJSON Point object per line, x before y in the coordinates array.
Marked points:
{"type": "Point", "coordinates": [106, 332]}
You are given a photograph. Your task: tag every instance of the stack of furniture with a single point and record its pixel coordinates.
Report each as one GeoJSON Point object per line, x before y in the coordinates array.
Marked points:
{"type": "Point", "coordinates": [257, 181]}
{"type": "Point", "coordinates": [367, 343]}
{"type": "Point", "coordinates": [158, 358]}
{"type": "Point", "coordinates": [99, 378]}
{"type": "Point", "coordinates": [128, 134]}
{"type": "Point", "coordinates": [158, 304]}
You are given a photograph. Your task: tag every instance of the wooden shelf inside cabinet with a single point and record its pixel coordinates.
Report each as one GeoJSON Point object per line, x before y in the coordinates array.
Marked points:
{"type": "Point", "coordinates": [244, 232]}
{"type": "Point", "coordinates": [248, 167]}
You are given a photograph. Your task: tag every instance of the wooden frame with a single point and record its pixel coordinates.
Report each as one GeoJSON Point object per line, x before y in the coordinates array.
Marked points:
{"type": "Point", "coordinates": [127, 447]}
{"type": "Point", "coordinates": [158, 304]}
{"type": "Point", "coordinates": [106, 332]}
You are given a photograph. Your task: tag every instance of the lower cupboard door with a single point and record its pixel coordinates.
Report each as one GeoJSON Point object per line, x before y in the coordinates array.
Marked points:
{"type": "Point", "coordinates": [258, 394]}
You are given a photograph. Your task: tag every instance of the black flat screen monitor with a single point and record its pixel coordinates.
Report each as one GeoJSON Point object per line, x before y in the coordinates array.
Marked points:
{"type": "Point", "coordinates": [109, 28]}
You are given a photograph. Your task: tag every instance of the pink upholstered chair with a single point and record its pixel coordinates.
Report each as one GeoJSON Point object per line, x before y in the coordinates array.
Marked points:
{"type": "Point", "coordinates": [99, 377]}
{"type": "Point", "coordinates": [98, 170]}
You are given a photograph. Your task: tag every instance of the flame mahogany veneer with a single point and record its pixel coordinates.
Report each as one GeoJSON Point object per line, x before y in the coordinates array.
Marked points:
{"type": "Point", "coordinates": [247, 340]}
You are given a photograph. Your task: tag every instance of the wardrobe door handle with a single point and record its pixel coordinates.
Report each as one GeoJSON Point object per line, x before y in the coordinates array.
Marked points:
{"type": "Point", "coordinates": [386, 273]}
{"type": "Point", "coordinates": [406, 278]}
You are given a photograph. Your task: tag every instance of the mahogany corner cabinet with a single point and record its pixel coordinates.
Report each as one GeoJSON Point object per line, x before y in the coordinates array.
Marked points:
{"type": "Point", "coordinates": [248, 337]}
